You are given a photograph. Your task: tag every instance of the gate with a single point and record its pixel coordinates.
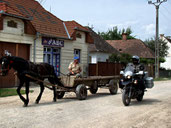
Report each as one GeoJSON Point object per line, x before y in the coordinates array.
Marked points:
{"type": "Point", "coordinates": [21, 50]}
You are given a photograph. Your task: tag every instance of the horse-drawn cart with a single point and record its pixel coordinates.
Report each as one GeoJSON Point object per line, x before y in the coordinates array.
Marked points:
{"type": "Point", "coordinates": [91, 83]}
{"type": "Point", "coordinates": [81, 85]}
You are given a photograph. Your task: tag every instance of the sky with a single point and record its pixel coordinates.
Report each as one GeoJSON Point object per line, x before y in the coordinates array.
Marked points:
{"type": "Point", "coordinates": [105, 14]}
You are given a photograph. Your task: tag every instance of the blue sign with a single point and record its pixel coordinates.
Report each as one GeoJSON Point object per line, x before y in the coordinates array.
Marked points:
{"type": "Point", "coordinates": [52, 42]}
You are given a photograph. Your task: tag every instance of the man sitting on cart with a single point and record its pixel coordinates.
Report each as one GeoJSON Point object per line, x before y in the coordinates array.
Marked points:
{"type": "Point", "coordinates": [74, 67]}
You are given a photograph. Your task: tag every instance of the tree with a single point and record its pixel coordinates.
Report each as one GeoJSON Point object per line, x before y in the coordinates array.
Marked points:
{"type": "Point", "coordinates": [115, 34]}
{"type": "Point", "coordinates": [163, 48]}
{"type": "Point", "coordinates": [120, 58]}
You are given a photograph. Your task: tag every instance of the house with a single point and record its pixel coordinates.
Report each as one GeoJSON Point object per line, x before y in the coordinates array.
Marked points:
{"type": "Point", "coordinates": [167, 64]}
{"type": "Point", "coordinates": [77, 46]}
{"type": "Point", "coordinates": [29, 31]}
{"type": "Point", "coordinates": [132, 47]}
{"type": "Point", "coordinates": [100, 50]}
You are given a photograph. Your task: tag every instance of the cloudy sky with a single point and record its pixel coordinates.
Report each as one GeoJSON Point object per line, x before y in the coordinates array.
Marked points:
{"type": "Point", "coordinates": [105, 14]}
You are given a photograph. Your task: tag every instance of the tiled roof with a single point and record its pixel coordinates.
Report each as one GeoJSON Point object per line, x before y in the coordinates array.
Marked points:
{"type": "Point", "coordinates": [132, 47]}
{"type": "Point", "coordinates": [169, 39]}
{"type": "Point", "coordinates": [100, 45]}
{"type": "Point", "coordinates": [72, 26]}
{"type": "Point", "coordinates": [43, 21]}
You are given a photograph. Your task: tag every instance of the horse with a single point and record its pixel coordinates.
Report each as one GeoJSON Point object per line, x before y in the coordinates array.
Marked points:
{"type": "Point", "coordinates": [38, 70]}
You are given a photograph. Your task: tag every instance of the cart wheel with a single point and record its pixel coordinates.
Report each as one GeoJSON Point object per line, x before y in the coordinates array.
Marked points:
{"type": "Point", "coordinates": [94, 88]}
{"type": "Point", "coordinates": [113, 87]}
{"type": "Point", "coordinates": [81, 92]}
{"type": "Point", "coordinates": [60, 95]}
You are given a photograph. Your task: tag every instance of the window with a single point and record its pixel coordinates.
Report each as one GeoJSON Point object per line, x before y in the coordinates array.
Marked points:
{"type": "Point", "coordinates": [77, 53]}
{"type": "Point", "coordinates": [12, 24]}
{"type": "Point", "coordinates": [78, 35]}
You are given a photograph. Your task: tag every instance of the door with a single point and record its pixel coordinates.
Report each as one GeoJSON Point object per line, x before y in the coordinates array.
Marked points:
{"type": "Point", "coordinates": [21, 50]}
{"type": "Point", "coordinates": [52, 57]}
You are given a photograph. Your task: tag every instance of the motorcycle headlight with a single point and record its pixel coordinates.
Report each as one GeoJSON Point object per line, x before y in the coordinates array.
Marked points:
{"type": "Point", "coordinates": [128, 77]}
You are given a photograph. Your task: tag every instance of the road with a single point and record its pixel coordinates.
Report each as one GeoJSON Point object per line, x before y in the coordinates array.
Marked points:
{"type": "Point", "coordinates": [97, 111]}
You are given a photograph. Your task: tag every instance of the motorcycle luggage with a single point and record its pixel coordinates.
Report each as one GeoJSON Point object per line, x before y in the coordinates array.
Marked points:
{"type": "Point", "coordinates": [149, 83]}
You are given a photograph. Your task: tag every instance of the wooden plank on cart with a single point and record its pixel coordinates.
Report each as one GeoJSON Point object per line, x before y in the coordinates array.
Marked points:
{"type": "Point", "coordinates": [96, 78]}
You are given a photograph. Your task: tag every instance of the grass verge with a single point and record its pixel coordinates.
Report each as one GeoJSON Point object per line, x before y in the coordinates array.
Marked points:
{"type": "Point", "coordinates": [4, 92]}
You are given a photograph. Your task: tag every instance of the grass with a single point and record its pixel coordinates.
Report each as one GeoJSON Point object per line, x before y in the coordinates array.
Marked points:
{"type": "Point", "coordinates": [4, 92]}
{"type": "Point", "coordinates": [161, 79]}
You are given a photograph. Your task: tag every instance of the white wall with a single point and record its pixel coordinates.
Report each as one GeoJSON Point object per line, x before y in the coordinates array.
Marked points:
{"type": "Point", "coordinates": [99, 57]}
{"type": "Point", "coordinates": [16, 35]}
{"type": "Point", "coordinates": [167, 64]}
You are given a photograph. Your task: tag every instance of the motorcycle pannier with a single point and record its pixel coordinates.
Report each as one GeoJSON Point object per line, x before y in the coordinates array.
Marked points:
{"type": "Point", "coordinates": [149, 82]}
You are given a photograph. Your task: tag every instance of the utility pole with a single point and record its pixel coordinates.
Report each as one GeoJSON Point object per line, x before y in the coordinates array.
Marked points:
{"type": "Point", "coordinates": [157, 4]}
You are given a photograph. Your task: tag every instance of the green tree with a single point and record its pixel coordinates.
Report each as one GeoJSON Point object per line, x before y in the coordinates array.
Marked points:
{"type": "Point", "coordinates": [120, 58]}
{"type": "Point", "coordinates": [116, 34]}
{"type": "Point", "coordinates": [163, 48]}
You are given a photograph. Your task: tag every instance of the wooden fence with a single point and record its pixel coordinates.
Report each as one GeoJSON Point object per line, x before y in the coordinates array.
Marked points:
{"type": "Point", "coordinates": [111, 69]}
{"type": "Point", "coordinates": [104, 69]}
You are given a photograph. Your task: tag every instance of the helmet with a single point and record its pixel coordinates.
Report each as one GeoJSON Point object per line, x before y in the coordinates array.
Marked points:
{"type": "Point", "coordinates": [135, 60]}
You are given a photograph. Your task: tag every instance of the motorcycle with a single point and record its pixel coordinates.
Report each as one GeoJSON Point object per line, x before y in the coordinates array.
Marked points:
{"type": "Point", "coordinates": [133, 84]}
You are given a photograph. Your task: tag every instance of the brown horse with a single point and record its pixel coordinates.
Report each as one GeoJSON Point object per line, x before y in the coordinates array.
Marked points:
{"type": "Point", "coordinates": [23, 67]}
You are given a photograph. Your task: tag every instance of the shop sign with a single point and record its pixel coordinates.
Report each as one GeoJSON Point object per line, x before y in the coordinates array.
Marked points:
{"type": "Point", "coordinates": [52, 42]}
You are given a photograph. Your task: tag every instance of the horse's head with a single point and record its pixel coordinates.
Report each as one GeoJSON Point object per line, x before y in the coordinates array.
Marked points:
{"type": "Point", "coordinates": [6, 63]}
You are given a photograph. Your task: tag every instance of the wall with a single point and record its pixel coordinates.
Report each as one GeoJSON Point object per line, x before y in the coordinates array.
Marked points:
{"type": "Point", "coordinates": [67, 54]}
{"type": "Point", "coordinates": [15, 35]}
{"type": "Point", "coordinates": [167, 64]}
{"type": "Point", "coordinates": [98, 57]}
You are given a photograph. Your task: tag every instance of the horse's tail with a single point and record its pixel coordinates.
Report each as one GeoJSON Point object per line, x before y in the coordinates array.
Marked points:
{"type": "Point", "coordinates": [58, 81]}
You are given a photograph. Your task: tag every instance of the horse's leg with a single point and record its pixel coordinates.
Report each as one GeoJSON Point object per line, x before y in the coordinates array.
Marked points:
{"type": "Point", "coordinates": [51, 80]}
{"type": "Point", "coordinates": [54, 94]}
{"type": "Point", "coordinates": [18, 91]}
{"type": "Point", "coordinates": [27, 93]}
{"type": "Point", "coordinates": [41, 91]}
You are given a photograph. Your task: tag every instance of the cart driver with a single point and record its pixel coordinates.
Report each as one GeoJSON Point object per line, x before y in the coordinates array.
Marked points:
{"type": "Point", "coordinates": [74, 67]}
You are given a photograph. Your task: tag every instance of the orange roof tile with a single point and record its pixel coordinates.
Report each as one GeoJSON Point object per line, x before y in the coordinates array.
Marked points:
{"type": "Point", "coordinates": [72, 26]}
{"type": "Point", "coordinates": [132, 47]}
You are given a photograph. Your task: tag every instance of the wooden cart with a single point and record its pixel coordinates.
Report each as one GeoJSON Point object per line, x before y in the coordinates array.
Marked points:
{"type": "Point", "coordinates": [81, 85]}
{"type": "Point", "coordinates": [91, 83]}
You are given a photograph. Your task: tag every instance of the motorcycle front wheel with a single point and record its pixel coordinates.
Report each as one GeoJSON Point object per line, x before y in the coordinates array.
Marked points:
{"type": "Point", "coordinates": [125, 98]}
{"type": "Point", "coordinates": [140, 97]}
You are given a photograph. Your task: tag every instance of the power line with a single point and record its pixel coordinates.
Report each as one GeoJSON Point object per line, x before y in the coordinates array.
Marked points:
{"type": "Point", "coordinates": [168, 18]}
{"type": "Point", "coordinates": [166, 9]}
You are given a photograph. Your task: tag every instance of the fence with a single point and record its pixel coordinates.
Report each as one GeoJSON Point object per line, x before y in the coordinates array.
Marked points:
{"type": "Point", "coordinates": [165, 73]}
{"type": "Point", "coordinates": [111, 69]}
{"type": "Point", "coordinates": [104, 69]}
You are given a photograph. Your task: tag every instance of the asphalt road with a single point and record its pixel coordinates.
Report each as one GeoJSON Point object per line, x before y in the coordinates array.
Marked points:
{"type": "Point", "coordinates": [101, 110]}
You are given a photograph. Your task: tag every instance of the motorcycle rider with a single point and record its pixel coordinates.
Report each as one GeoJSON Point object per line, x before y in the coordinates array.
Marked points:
{"type": "Point", "coordinates": [138, 67]}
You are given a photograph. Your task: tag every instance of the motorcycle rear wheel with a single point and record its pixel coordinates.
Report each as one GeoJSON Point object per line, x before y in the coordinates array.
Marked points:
{"type": "Point", "coordinates": [125, 98]}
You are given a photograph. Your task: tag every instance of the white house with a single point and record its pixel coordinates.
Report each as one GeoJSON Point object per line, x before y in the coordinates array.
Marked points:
{"type": "Point", "coordinates": [167, 64]}
{"type": "Point", "coordinates": [100, 50]}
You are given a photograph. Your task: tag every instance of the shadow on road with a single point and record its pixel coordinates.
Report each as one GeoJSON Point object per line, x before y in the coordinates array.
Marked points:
{"type": "Point", "coordinates": [145, 102]}
{"type": "Point", "coordinates": [73, 98]}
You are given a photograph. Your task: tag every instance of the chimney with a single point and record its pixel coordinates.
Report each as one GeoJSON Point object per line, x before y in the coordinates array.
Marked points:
{"type": "Point", "coordinates": [124, 36]}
